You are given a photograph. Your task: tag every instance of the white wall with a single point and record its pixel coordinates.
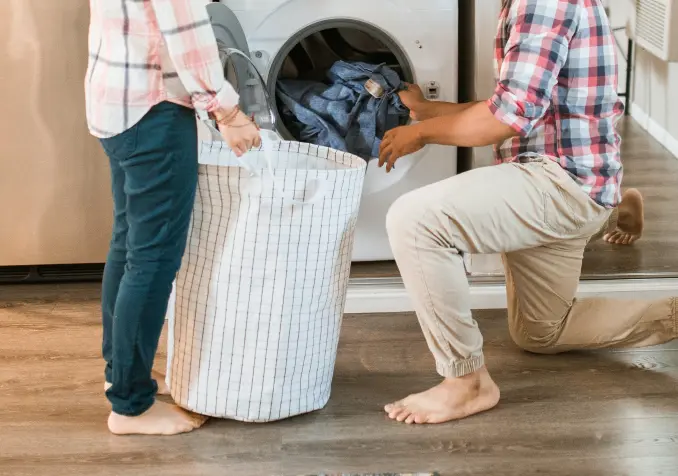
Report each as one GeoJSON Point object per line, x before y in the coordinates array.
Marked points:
{"type": "Point", "coordinates": [653, 99]}
{"type": "Point", "coordinates": [486, 19]}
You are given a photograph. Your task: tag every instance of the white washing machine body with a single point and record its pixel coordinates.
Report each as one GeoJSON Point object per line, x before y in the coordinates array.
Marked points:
{"type": "Point", "coordinates": [425, 32]}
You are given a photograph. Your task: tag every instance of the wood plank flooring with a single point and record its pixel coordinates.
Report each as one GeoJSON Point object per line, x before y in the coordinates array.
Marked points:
{"type": "Point", "coordinates": [654, 171]}
{"type": "Point", "coordinates": [605, 413]}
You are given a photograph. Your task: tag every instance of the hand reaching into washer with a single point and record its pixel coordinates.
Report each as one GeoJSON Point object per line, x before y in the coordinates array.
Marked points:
{"type": "Point", "coordinates": [398, 143]}
{"type": "Point", "coordinates": [413, 98]}
{"type": "Point", "coordinates": [239, 131]}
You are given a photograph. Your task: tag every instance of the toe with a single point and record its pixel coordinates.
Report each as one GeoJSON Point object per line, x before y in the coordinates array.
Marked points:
{"type": "Point", "coordinates": [611, 237]}
{"type": "Point", "coordinates": [614, 236]}
{"type": "Point", "coordinates": [394, 409]}
{"type": "Point", "coordinates": [410, 419]}
{"type": "Point", "coordinates": [395, 413]}
{"type": "Point", "coordinates": [404, 415]}
{"type": "Point", "coordinates": [621, 238]}
{"type": "Point", "coordinates": [199, 420]}
{"type": "Point", "coordinates": [186, 427]}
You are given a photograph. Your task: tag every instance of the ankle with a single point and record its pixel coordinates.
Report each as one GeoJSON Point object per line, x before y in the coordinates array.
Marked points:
{"type": "Point", "coordinates": [473, 379]}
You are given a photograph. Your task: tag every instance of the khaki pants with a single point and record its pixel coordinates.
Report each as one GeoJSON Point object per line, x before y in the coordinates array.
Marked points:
{"type": "Point", "coordinates": [540, 220]}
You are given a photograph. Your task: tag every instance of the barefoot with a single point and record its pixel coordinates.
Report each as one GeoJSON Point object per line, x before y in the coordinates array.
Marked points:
{"type": "Point", "coordinates": [631, 219]}
{"type": "Point", "coordinates": [453, 399]}
{"type": "Point", "coordinates": [159, 379]}
{"type": "Point", "coordinates": [162, 384]}
{"type": "Point", "coordinates": [160, 419]}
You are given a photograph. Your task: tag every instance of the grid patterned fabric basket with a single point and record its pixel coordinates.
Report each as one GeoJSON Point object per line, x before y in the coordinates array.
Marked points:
{"type": "Point", "coordinates": [255, 319]}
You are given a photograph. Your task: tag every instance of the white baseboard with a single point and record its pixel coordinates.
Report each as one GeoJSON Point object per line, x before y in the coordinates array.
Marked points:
{"type": "Point", "coordinates": [672, 144]}
{"type": "Point", "coordinates": [639, 115]}
{"type": "Point", "coordinates": [366, 296]}
{"type": "Point", "coordinates": [655, 129]}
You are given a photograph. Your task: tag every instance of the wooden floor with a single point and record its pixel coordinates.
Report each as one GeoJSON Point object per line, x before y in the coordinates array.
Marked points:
{"type": "Point", "coordinates": [654, 171]}
{"type": "Point", "coordinates": [607, 413]}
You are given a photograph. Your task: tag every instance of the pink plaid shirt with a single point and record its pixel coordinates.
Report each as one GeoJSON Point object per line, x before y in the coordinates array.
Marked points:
{"type": "Point", "coordinates": [143, 52]}
{"type": "Point", "coordinates": [557, 87]}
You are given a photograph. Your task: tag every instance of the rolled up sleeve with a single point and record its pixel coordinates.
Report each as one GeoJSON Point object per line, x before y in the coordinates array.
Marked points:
{"type": "Point", "coordinates": [192, 46]}
{"type": "Point", "coordinates": [536, 49]}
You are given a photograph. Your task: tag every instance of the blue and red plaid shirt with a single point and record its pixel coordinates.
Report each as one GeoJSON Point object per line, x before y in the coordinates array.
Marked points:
{"type": "Point", "coordinates": [557, 87]}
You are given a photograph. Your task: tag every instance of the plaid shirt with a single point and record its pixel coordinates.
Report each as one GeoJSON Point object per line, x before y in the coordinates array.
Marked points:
{"type": "Point", "coordinates": [143, 52]}
{"type": "Point", "coordinates": [557, 87]}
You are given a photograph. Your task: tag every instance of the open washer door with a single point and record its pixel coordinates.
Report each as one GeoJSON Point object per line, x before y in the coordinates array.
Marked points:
{"type": "Point", "coordinates": [239, 69]}
{"type": "Point", "coordinates": [255, 96]}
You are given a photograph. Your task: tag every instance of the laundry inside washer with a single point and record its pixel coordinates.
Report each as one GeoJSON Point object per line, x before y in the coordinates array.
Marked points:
{"type": "Point", "coordinates": [337, 87]}
{"type": "Point", "coordinates": [351, 111]}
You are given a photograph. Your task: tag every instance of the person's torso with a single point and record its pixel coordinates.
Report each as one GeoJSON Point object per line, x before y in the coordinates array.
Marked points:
{"type": "Point", "coordinates": [129, 69]}
{"type": "Point", "coordinates": [579, 128]}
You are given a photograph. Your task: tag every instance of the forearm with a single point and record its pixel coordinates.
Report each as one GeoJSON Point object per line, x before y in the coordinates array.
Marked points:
{"type": "Point", "coordinates": [472, 126]}
{"type": "Point", "coordinates": [433, 109]}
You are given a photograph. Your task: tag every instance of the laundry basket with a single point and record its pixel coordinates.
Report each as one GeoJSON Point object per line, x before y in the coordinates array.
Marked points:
{"type": "Point", "coordinates": [258, 302]}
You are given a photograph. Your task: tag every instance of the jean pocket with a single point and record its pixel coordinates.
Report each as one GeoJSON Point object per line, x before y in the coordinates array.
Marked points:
{"type": "Point", "coordinates": [121, 146]}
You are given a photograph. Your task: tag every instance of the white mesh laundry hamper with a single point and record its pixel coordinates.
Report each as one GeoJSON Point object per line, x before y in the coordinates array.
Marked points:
{"type": "Point", "coordinates": [258, 302]}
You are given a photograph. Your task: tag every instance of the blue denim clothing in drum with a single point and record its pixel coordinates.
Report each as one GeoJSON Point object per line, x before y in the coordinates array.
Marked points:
{"type": "Point", "coordinates": [342, 114]}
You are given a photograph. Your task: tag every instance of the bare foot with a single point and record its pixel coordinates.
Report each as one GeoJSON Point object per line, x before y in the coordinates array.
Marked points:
{"type": "Point", "coordinates": [160, 419]}
{"type": "Point", "coordinates": [453, 399]}
{"type": "Point", "coordinates": [631, 219]}
{"type": "Point", "coordinates": [159, 379]}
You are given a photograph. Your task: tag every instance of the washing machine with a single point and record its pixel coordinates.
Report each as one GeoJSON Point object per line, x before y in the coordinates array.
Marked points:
{"type": "Point", "coordinates": [262, 41]}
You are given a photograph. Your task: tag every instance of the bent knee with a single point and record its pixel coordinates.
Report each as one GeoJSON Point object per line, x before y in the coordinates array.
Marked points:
{"type": "Point", "coordinates": [419, 211]}
{"type": "Point", "coordinates": [538, 339]}
{"type": "Point", "coordinates": [405, 214]}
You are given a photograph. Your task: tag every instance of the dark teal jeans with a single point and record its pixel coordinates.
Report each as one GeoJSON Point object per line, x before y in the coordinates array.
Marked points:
{"type": "Point", "coordinates": [154, 171]}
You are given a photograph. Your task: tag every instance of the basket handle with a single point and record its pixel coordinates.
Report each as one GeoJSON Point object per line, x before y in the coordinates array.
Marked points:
{"type": "Point", "coordinates": [268, 138]}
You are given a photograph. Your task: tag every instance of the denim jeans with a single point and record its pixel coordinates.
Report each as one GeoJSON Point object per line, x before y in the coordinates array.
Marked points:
{"type": "Point", "coordinates": [154, 177]}
{"type": "Point", "coordinates": [342, 114]}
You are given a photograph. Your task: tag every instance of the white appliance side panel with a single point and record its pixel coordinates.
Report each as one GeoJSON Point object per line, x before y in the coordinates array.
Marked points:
{"type": "Point", "coordinates": [485, 26]}
{"type": "Point", "coordinates": [485, 22]}
{"type": "Point", "coordinates": [55, 186]}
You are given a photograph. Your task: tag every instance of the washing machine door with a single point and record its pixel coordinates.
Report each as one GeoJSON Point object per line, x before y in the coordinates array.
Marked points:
{"type": "Point", "coordinates": [239, 69]}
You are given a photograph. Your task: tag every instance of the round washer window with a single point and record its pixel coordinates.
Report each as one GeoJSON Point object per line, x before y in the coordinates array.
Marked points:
{"type": "Point", "coordinates": [310, 53]}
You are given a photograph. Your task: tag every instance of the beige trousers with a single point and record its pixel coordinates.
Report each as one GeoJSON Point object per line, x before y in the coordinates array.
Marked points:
{"type": "Point", "coordinates": [540, 220]}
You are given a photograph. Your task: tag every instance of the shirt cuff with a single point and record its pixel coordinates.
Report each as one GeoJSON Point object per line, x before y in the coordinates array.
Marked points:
{"type": "Point", "coordinates": [507, 109]}
{"type": "Point", "coordinates": [226, 98]}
